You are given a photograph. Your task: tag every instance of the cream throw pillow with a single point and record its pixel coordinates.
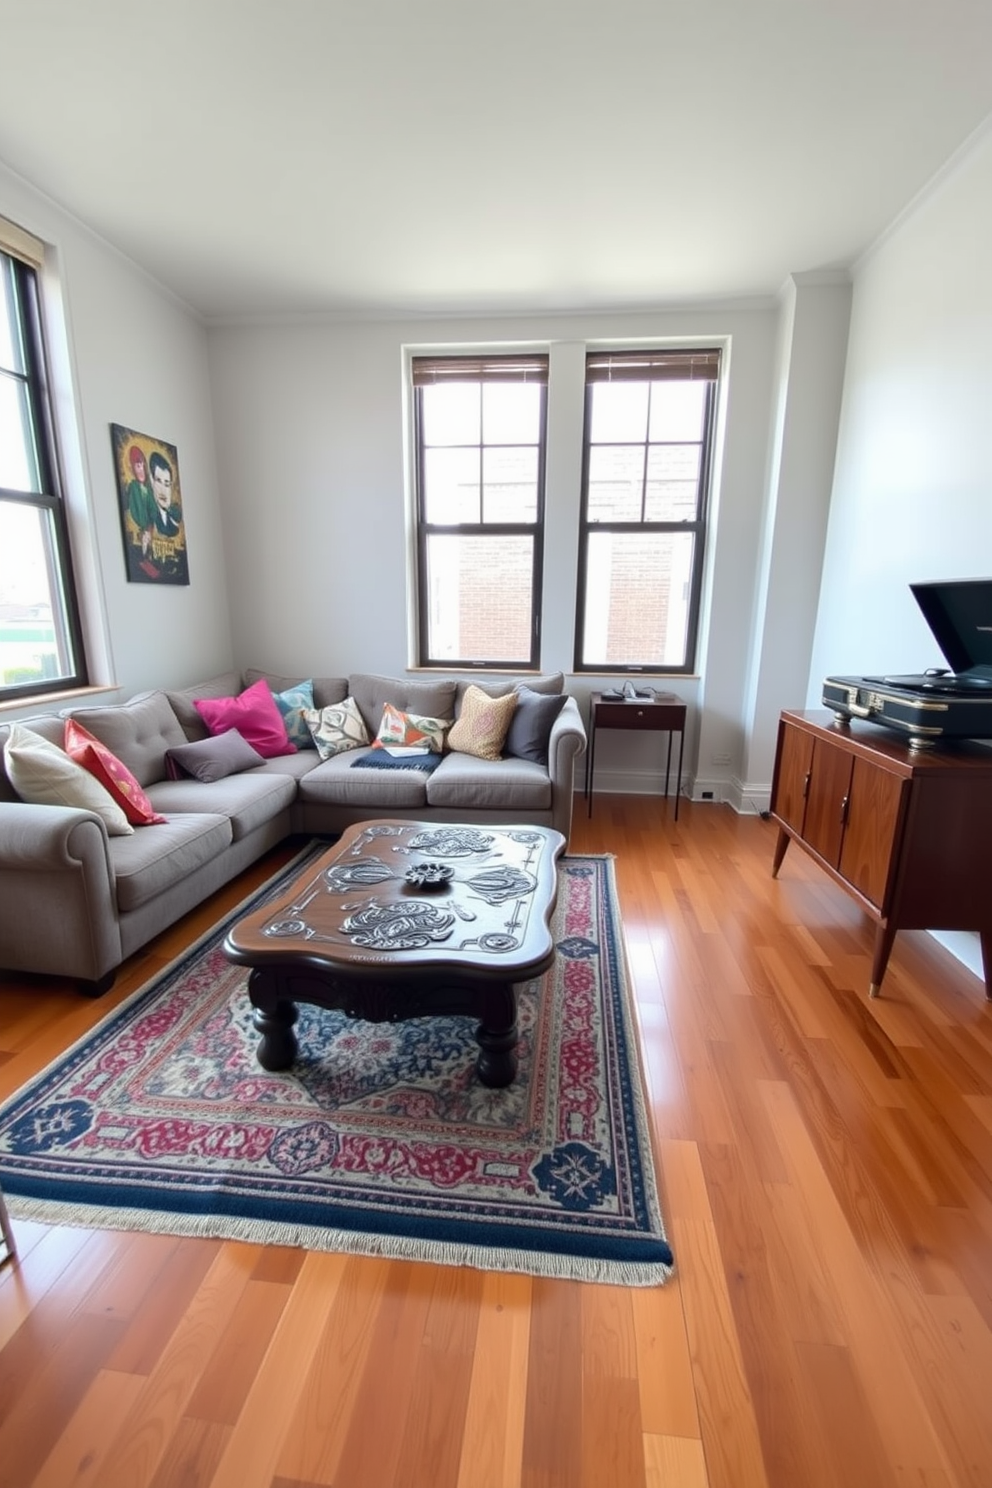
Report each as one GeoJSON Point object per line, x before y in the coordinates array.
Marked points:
{"type": "Point", "coordinates": [481, 726]}
{"type": "Point", "coordinates": [43, 775]}
{"type": "Point", "coordinates": [338, 727]}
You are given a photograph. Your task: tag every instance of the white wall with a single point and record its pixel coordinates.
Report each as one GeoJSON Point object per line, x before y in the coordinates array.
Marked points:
{"type": "Point", "coordinates": [125, 352]}
{"type": "Point", "coordinates": [310, 439]}
{"type": "Point", "coordinates": [912, 496]}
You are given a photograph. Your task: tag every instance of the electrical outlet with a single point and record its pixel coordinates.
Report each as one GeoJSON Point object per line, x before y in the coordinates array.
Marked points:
{"type": "Point", "coordinates": [719, 759]}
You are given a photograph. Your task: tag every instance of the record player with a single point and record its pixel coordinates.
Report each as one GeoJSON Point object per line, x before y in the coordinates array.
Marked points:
{"type": "Point", "coordinates": [940, 703]}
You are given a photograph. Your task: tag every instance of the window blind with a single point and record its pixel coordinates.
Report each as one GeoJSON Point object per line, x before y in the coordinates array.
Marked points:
{"type": "Point", "coordinates": [428, 371]}
{"type": "Point", "coordinates": [695, 365]}
{"type": "Point", "coordinates": [21, 244]}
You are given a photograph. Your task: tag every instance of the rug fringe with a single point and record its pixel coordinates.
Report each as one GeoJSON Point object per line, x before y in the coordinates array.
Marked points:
{"type": "Point", "coordinates": [349, 1242]}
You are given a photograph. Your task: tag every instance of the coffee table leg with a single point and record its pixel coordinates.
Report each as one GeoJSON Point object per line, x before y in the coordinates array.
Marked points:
{"type": "Point", "coordinates": [274, 1018]}
{"type": "Point", "coordinates": [496, 1036]}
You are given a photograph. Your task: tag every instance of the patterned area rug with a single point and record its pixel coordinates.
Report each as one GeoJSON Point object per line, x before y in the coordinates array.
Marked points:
{"type": "Point", "coordinates": [380, 1139]}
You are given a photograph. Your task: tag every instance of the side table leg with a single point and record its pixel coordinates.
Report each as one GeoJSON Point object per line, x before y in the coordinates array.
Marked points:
{"type": "Point", "coordinates": [678, 783]}
{"type": "Point", "coordinates": [591, 763]}
{"type": "Point", "coordinates": [9, 1249]}
{"type": "Point", "coordinates": [497, 1037]}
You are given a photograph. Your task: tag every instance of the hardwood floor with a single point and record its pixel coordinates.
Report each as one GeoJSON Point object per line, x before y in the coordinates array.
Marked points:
{"type": "Point", "coordinates": [826, 1172]}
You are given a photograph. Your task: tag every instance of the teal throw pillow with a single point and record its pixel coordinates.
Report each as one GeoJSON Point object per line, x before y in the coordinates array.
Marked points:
{"type": "Point", "coordinates": [291, 705]}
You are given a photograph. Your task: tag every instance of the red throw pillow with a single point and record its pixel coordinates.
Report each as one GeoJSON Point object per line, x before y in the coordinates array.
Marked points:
{"type": "Point", "coordinates": [255, 715]}
{"type": "Point", "coordinates": [81, 746]}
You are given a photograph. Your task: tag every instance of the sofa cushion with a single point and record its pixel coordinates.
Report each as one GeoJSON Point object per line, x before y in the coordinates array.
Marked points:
{"type": "Point", "coordinates": [248, 800]}
{"type": "Point", "coordinates": [372, 693]}
{"type": "Point", "coordinates": [138, 732]}
{"type": "Point", "coordinates": [482, 723]}
{"type": "Point", "coordinates": [531, 724]}
{"type": "Point", "coordinates": [326, 690]}
{"type": "Point", "coordinates": [550, 682]}
{"type": "Point", "coordinates": [43, 775]}
{"type": "Point", "coordinates": [254, 714]}
{"type": "Point", "coordinates": [337, 728]}
{"type": "Point", "coordinates": [463, 782]}
{"type": "Point", "coordinates": [183, 701]}
{"type": "Point", "coordinates": [111, 772]}
{"type": "Point", "coordinates": [335, 783]}
{"type": "Point", "coordinates": [212, 759]}
{"type": "Point", "coordinates": [148, 863]}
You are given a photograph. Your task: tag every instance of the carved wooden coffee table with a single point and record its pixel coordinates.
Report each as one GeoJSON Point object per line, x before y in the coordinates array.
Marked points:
{"type": "Point", "coordinates": [402, 920]}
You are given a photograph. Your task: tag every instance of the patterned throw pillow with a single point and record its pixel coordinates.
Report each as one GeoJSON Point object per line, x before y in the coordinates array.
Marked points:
{"type": "Point", "coordinates": [481, 726]}
{"type": "Point", "coordinates": [291, 705]}
{"type": "Point", "coordinates": [411, 729]}
{"type": "Point", "coordinates": [336, 728]}
{"type": "Point", "coordinates": [44, 775]}
{"type": "Point", "coordinates": [113, 775]}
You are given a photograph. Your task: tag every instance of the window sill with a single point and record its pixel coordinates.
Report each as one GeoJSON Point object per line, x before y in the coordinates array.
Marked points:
{"type": "Point", "coordinates": [42, 701]}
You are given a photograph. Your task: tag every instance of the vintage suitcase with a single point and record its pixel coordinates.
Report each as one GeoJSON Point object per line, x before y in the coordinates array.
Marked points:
{"type": "Point", "coordinates": [938, 704]}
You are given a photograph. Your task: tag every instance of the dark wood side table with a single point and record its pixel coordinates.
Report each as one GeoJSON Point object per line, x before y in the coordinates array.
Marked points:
{"type": "Point", "coordinates": [662, 713]}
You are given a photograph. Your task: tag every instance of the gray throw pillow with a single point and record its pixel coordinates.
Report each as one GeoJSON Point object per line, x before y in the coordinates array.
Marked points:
{"type": "Point", "coordinates": [213, 758]}
{"type": "Point", "coordinates": [530, 727]}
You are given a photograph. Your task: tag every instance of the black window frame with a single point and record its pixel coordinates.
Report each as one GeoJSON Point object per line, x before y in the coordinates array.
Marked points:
{"type": "Point", "coordinates": [513, 367]}
{"type": "Point", "coordinates": [29, 324]}
{"type": "Point", "coordinates": [685, 364]}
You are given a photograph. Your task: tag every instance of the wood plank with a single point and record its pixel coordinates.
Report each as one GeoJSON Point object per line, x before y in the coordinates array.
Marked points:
{"type": "Point", "coordinates": [51, 1394]}
{"type": "Point", "coordinates": [728, 1426]}
{"type": "Point", "coordinates": [664, 1365]}
{"type": "Point", "coordinates": [314, 1443]}
{"type": "Point", "coordinates": [371, 1452]}
{"type": "Point", "coordinates": [146, 1435]}
{"type": "Point", "coordinates": [232, 1366]}
{"type": "Point", "coordinates": [493, 1432]}
{"type": "Point", "coordinates": [675, 1462]}
{"type": "Point", "coordinates": [552, 1452]}
{"type": "Point", "coordinates": [76, 1460]}
{"type": "Point", "coordinates": [256, 1440]}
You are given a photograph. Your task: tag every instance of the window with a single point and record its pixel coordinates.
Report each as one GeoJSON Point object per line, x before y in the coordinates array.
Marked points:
{"type": "Point", "coordinates": [40, 648]}
{"type": "Point", "coordinates": [479, 427]}
{"type": "Point", "coordinates": [646, 470]}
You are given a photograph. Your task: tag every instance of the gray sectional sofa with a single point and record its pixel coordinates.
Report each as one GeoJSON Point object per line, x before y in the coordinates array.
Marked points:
{"type": "Point", "coordinates": [75, 901]}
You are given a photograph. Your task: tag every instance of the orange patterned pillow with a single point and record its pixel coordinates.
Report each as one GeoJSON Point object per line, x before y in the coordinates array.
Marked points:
{"type": "Point", "coordinates": [410, 729]}
{"type": "Point", "coordinates": [115, 777]}
{"type": "Point", "coordinates": [482, 724]}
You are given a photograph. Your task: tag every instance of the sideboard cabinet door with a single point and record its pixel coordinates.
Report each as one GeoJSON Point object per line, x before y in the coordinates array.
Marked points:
{"type": "Point", "coordinates": [868, 855]}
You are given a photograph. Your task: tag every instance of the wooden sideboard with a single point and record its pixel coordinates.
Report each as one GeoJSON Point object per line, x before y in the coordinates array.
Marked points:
{"type": "Point", "coordinates": [907, 832]}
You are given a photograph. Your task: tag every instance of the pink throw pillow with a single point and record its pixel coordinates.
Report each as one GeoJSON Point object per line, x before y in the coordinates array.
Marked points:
{"type": "Point", "coordinates": [255, 715]}
{"type": "Point", "coordinates": [81, 746]}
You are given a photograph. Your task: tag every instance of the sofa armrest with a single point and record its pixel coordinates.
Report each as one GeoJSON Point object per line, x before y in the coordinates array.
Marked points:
{"type": "Point", "coordinates": [567, 742]}
{"type": "Point", "coordinates": [58, 893]}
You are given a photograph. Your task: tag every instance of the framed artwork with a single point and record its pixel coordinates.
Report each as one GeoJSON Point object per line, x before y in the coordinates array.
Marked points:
{"type": "Point", "coordinates": [151, 508]}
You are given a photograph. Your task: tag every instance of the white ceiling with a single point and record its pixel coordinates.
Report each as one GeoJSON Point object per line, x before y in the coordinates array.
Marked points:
{"type": "Point", "coordinates": [271, 157]}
